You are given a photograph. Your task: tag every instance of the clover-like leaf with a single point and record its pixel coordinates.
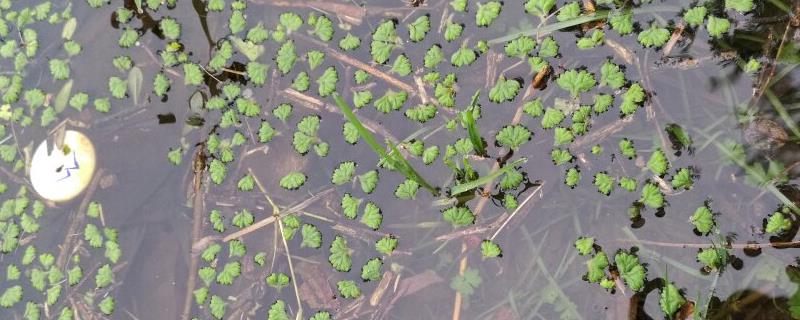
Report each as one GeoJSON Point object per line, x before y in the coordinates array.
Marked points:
{"type": "Point", "coordinates": [371, 271]}
{"type": "Point", "coordinates": [490, 249]}
{"type": "Point", "coordinates": [293, 180]}
{"type": "Point", "coordinates": [487, 13]}
{"type": "Point", "coordinates": [576, 82]}
{"type": "Point", "coordinates": [652, 196]}
{"type": "Point", "coordinates": [340, 254]}
{"type": "Point", "coordinates": [631, 271]}
{"type": "Point", "coordinates": [504, 90]}
{"type": "Point", "coordinates": [671, 299]}
{"type": "Point", "coordinates": [459, 216]}
{"type": "Point", "coordinates": [327, 82]}
{"type": "Point", "coordinates": [348, 289]}
{"type": "Point", "coordinates": [419, 28]}
{"type": "Point", "coordinates": [343, 173]}
{"type": "Point", "coordinates": [654, 36]}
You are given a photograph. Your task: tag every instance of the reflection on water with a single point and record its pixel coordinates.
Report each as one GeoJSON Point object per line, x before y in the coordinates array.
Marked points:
{"type": "Point", "coordinates": [698, 85]}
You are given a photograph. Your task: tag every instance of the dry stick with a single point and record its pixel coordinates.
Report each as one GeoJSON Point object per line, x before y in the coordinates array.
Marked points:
{"type": "Point", "coordinates": [462, 267]}
{"type": "Point", "coordinates": [291, 271]}
{"type": "Point", "coordinates": [602, 133]}
{"type": "Point", "coordinates": [198, 207]}
{"type": "Point", "coordinates": [771, 73]}
{"type": "Point", "coordinates": [521, 205]}
{"type": "Point", "coordinates": [77, 220]}
{"type": "Point", "coordinates": [276, 215]}
{"type": "Point", "coordinates": [363, 66]}
{"type": "Point", "coordinates": [742, 246]}
{"type": "Point", "coordinates": [351, 13]}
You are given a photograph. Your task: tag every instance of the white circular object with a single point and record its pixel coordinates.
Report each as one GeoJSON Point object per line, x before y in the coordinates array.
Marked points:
{"type": "Point", "coordinates": [61, 175]}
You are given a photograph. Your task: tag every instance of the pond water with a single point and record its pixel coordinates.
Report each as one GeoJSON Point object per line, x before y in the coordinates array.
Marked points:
{"type": "Point", "coordinates": [161, 210]}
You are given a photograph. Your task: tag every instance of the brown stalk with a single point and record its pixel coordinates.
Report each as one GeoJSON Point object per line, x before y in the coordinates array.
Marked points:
{"type": "Point", "coordinates": [198, 208]}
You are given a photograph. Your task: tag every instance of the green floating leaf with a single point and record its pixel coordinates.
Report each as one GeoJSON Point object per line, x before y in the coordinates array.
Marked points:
{"type": "Point", "coordinates": [349, 42]}
{"type": "Point", "coordinates": [489, 249]}
{"type": "Point", "coordinates": [777, 223]}
{"type": "Point", "coordinates": [350, 206]}
{"type": "Point", "coordinates": [386, 245]}
{"type": "Point", "coordinates": [487, 13]}
{"type": "Point", "coordinates": [520, 47]}
{"type": "Point", "coordinates": [293, 180]}
{"type": "Point", "coordinates": [631, 271]}
{"type": "Point", "coordinates": [654, 36]}
{"type": "Point", "coordinates": [419, 28]}
{"type": "Point", "coordinates": [402, 66]}
{"type": "Point", "coordinates": [286, 57]}
{"type": "Point", "coordinates": [277, 311]}
{"type": "Point", "coordinates": [703, 220]}
{"type": "Point", "coordinates": [323, 28]}
{"type": "Point", "coordinates": [717, 27]}
{"type": "Point", "coordinates": [340, 254]}
{"type": "Point", "coordinates": [348, 289]}
{"type": "Point", "coordinates": [384, 40]}
{"type": "Point", "coordinates": [658, 163]}
{"type": "Point", "coordinates": [371, 271]}
{"type": "Point", "coordinates": [343, 173]}
{"type": "Point", "coordinates": [671, 299]}
{"type": "Point", "coordinates": [652, 196]}
{"type": "Point", "coordinates": [695, 16]}
{"type": "Point", "coordinates": [327, 82]}
{"type": "Point", "coordinates": [742, 6]}
{"type": "Point", "coordinates": [372, 216]}
{"type": "Point", "coordinates": [513, 136]}
{"type": "Point", "coordinates": [277, 280]}
{"type": "Point", "coordinates": [170, 28]}
{"type": "Point", "coordinates": [576, 82]}
{"type": "Point", "coordinates": [683, 179]}
{"type": "Point", "coordinates": [540, 8]}
{"type": "Point", "coordinates": [391, 101]}
{"type": "Point", "coordinates": [453, 30]}
{"type": "Point", "coordinates": [463, 57]}
{"type": "Point", "coordinates": [407, 190]}
{"type": "Point", "coordinates": [459, 216]}
{"type": "Point", "coordinates": [596, 268]}
{"type": "Point", "coordinates": [585, 245]}
{"type": "Point", "coordinates": [713, 258]}
{"type": "Point", "coordinates": [312, 237]}
{"type": "Point", "coordinates": [604, 183]}
{"type": "Point", "coordinates": [504, 90]}
{"type": "Point", "coordinates": [569, 11]}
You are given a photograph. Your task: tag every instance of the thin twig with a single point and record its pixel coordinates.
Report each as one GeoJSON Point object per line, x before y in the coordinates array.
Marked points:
{"type": "Point", "coordinates": [276, 215]}
{"type": "Point", "coordinates": [291, 271]}
{"type": "Point", "coordinates": [740, 246]}
{"type": "Point", "coordinates": [361, 65]}
{"type": "Point", "coordinates": [77, 220]}
{"type": "Point", "coordinates": [198, 208]}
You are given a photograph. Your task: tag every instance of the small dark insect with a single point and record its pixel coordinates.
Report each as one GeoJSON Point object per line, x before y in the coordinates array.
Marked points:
{"type": "Point", "coordinates": [416, 3]}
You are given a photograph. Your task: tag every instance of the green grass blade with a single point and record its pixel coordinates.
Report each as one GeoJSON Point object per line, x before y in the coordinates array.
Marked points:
{"type": "Point", "coordinates": [599, 15]}
{"type": "Point", "coordinates": [461, 188]}
{"type": "Point", "coordinates": [472, 126]}
{"type": "Point", "coordinates": [395, 159]}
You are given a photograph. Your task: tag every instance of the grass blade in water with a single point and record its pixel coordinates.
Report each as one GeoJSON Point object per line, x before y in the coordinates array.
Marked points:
{"type": "Point", "coordinates": [395, 159]}
{"type": "Point", "coordinates": [464, 187]}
